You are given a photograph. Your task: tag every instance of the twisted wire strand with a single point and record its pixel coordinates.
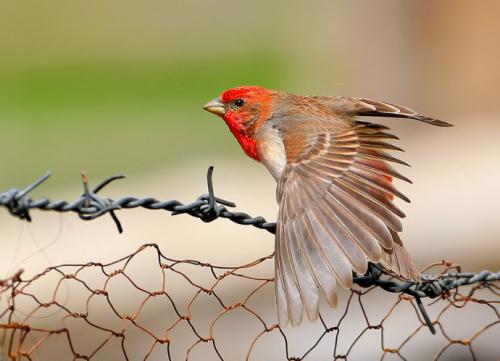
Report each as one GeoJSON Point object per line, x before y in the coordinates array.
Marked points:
{"type": "Point", "coordinates": [90, 205]}
{"type": "Point", "coordinates": [207, 207]}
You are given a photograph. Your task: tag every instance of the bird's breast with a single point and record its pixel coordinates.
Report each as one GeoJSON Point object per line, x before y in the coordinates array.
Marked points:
{"type": "Point", "coordinates": [271, 150]}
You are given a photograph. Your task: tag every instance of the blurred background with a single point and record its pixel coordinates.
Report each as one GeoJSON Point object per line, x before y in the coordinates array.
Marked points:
{"type": "Point", "coordinates": [117, 87]}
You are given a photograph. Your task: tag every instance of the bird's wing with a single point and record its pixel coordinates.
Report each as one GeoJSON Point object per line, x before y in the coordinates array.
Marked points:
{"type": "Point", "coordinates": [335, 211]}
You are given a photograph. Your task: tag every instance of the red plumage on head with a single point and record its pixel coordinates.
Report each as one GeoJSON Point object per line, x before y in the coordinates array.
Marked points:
{"type": "Point", "coordinates": [256, 99]}
{"type": "Point", "coordinates": [249, 92]}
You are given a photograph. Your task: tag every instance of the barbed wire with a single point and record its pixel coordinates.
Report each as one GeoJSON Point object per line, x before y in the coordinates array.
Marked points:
{"type": "Point", "coordinates": [442, 286]}
{"type": "Point", "coordinates": [90, 205]}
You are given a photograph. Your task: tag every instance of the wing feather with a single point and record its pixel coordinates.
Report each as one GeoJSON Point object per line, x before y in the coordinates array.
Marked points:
{"type": "Point", "coordinates": [379, 167]}
{"type": "Point", "coordinates": [379, 155]}
{"type": "Point", "coordinates": [291, 290]}
{"type": "Point", "coordinates": [279, 289]}
{"type": "Point", "coordinates": [320, 270]}
{"type": "Point", "coordinates": [336, 204]}
{"type": "Point", "coordinates": [333, 256]}
{"type": "Point", "coordinates": [374, 145]}
{"type": "Point", "coordinates": [307, 284]}
{"type": "Point", "coordinates": [376, 202]}
{"type": "Point", "coordinates": [368, 231]}
{"type": "Point", "coordinates": [373, 182]}
{"type": "Point", "coordinates": [339, 233]}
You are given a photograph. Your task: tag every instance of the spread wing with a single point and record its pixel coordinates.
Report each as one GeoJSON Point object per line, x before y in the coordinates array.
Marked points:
{"type": "Point", "coordinates": [336, 210]}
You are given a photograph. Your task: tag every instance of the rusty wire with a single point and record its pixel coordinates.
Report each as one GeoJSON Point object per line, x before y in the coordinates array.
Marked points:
{"type": "Point", "coordinates": [24, 337]}
{"type": "Point", "coordinates": [27, 332]}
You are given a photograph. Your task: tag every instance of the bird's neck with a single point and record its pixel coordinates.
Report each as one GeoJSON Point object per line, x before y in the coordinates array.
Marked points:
{"type": "Point", "coordinates": [245, 138]}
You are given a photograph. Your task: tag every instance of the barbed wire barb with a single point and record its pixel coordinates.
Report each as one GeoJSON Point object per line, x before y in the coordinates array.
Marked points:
{"type": "Point", "coordinates": [90, 205]}
{"type": "Point", "coordinates": [23, 337]}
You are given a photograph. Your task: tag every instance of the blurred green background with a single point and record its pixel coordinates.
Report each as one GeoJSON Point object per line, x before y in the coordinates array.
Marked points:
{"type": "Point", "coordinates": [106, 119]}
{"type": "Point", "coordinates": [118, 86]}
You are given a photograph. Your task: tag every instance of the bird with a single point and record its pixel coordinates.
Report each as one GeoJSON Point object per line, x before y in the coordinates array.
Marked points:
{"type": "Point", "coordinates": [334, 188]}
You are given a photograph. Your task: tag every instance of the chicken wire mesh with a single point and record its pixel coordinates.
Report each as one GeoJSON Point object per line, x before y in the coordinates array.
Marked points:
{"type": "Point", "coordinates": [147, 306]}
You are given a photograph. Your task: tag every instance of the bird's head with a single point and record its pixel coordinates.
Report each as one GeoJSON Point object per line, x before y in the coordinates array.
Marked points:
{"type": "Point", "coordinates": [243, 109]}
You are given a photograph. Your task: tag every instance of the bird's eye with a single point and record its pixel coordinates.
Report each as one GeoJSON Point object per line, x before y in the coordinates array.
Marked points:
{"type": "Point", "coordinates": [239, 102]}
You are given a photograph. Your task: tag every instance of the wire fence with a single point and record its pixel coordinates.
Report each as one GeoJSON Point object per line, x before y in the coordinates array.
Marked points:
{"type": "Point", "coordinates": [187, 309]}
{"type": "Point", "coordinates": [90, 205]}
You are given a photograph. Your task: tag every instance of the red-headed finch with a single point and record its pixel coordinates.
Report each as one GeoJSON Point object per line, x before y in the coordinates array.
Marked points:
{"type": "Point", "coordinates": [335, 191]}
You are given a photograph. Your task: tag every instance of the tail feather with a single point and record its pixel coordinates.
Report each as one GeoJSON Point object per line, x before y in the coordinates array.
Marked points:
{"type": "Point", "coordinates": [368, 107]}
{"type": "Point", "coordinates": [382, 109]}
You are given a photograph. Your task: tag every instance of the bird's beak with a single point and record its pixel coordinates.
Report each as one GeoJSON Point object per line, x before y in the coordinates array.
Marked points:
{"type": "Point", "coordinates": [215, 106]}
